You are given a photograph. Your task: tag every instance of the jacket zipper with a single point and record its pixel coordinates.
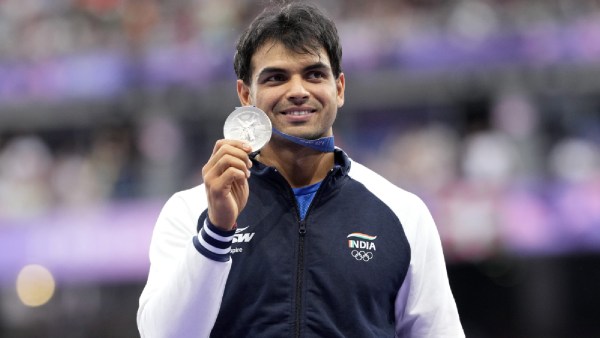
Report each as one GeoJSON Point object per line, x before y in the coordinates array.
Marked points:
{"type": "Point", "coordinates": [300, 261]}
{"type": "Point", "coordinates": [300, 266]}
{"type": "Point", "coordinates": [299, 278]}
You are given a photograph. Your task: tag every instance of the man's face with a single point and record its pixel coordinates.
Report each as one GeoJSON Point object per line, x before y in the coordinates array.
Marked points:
{"type": "Point", "coordinates": [297, 91]}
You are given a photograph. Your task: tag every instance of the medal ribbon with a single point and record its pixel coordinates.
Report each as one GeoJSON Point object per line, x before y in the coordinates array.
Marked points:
{"type": "Point", "coordinates": [323, 144]}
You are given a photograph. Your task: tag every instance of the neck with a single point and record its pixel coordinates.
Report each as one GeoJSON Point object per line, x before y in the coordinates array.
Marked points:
{"type": "Point", "coordinates": [299, 165]}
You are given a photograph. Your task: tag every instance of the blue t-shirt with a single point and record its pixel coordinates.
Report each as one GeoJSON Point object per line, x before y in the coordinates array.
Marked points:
{"type": "Point", "coordinates": [304, 196]}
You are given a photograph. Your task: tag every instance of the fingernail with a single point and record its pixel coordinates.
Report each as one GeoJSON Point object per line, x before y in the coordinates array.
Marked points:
{"type": "Point", "coordinates": [247, 146]}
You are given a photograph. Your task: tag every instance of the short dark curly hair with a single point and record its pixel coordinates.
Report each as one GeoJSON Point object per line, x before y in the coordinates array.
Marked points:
{"type": "Point", "coordinates": [300, 27]}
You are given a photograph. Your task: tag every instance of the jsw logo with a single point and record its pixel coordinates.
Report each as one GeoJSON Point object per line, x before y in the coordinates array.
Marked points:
{"type": "Point", "coordinates": [240, 237]}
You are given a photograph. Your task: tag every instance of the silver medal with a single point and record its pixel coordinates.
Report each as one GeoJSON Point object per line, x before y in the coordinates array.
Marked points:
{"type": "Point", "coordinates": [249, 124]}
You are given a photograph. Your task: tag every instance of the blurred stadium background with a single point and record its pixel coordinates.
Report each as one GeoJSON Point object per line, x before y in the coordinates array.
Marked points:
{"type": "Point", "coordinates": [489, 110]}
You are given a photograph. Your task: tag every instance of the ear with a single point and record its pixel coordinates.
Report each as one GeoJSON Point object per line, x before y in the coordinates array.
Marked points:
{"type": "Point", "coordinates": [244, 93]}
{"type": "Point", "coordinates": [340, 84]}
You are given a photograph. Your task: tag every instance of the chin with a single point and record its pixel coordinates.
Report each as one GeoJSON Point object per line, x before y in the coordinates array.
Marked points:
{"type": "Point", "coordinates": [303, 132]}
{"type": "Point", "coordinates": [308, 136]}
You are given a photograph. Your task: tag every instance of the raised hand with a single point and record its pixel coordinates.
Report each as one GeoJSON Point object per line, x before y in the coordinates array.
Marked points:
{"type": "Point", "coordinates": [226, 181]}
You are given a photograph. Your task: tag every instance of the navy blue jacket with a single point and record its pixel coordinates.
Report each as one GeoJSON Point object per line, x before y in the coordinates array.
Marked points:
{"type": "Point", "coordinates": [293, 278]}
{"type": "Point", "coordinates": [366, 261]}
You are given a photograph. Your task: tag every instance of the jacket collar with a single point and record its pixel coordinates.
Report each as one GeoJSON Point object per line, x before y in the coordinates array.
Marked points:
{"type": "Point", "coordinates": [341, 164]}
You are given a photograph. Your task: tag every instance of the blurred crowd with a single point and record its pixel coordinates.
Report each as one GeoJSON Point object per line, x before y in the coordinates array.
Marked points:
{"type": "Point", "coordinates": [507, 181]}
{"type": "Point", "coordinates": [39, 29]}
{"type": "Point", "coordinates": [509, 184]}
{"type": "Point", "coordinates": [77, 169]}
{"type": "Point", "coordinates": [54, 48]}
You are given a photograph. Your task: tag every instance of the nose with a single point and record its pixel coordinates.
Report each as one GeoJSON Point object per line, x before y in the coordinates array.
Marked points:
{"type": "Point", "coordinates": [297, 92]}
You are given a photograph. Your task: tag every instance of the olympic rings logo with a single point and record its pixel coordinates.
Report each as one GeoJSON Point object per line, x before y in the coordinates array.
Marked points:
{"type": "Point", "coordinates": [362, 255]}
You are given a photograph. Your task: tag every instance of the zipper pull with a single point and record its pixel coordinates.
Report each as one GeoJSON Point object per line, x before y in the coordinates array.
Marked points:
{"type": "Point", "coordinates": [302, 229]}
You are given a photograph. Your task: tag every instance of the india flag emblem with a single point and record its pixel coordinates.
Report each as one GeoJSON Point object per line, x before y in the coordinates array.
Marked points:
{"type": "Point", "coordinates": [360, 235]}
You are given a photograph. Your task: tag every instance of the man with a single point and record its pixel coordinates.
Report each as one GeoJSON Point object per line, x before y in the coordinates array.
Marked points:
{"type": "Point", "coordinates": [294, 240]}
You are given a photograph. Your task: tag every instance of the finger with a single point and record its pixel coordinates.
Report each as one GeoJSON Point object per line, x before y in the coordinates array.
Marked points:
{"type": "Point", "coordinates": [229, 161]}
{"type": "Point", "coordinates": [222, 185]}
{"type": "Point", "coordinates": [220, 162]}
{"type": "Point", "coordinates": [227, 157]}
{"type": "Point", "coordinates": [234, 151]}
{"type": "Point", "coordinates": [230, 147]}
{"type": "Point", "coordinates": [234, 143]}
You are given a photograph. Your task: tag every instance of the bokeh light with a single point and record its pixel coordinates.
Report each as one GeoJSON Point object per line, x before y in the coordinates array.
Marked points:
{"type": "Point", "coordinates": [35, 285]}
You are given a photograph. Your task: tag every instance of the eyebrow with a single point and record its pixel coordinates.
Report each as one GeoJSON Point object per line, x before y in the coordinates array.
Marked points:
{"type": "Point", "coordinates": [318, 65]}
{"type": "Point", "coordinates": [271, 70]}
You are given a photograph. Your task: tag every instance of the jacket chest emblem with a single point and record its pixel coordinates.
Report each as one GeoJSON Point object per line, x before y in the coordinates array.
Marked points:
{"type": "Point", "coordinates": [362, 246]}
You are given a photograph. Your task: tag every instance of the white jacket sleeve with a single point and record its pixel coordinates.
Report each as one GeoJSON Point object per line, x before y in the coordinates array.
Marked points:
{"type": "Point", "coordinates": [184, 289]}
{"type": "Point", "coordinates": [425, 306]}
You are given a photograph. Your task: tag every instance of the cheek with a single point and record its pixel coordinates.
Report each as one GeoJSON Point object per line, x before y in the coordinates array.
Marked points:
{"type": "Point", "coordinates": [264, 96]}
{"type": "Point", "coordinates": [330, 98]}
{"type": "Point", "coordinates": [271, 102]}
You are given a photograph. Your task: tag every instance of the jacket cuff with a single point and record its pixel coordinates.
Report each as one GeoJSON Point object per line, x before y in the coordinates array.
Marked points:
{"type": "Point", "coordinates": [213, 242]}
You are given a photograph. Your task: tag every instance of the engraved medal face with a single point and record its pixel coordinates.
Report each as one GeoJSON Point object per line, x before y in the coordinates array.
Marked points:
{"type": "Point", "coordinates": [249, 124]}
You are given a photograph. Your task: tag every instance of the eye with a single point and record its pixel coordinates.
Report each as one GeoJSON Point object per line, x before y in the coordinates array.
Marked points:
{"type": "Point", "coordinates": [275, 78]}
{"type": "Point", "coordinates": [315, 75]}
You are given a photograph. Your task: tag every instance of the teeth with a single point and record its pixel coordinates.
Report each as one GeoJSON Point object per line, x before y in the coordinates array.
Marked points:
{"type": "Point", "coordinates": [298, 113]}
